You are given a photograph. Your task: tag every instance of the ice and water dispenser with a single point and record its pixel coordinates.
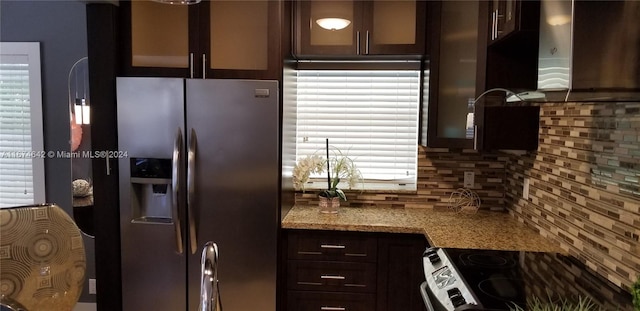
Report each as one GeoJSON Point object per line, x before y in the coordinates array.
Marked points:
{"type": "Point", "coordinates": [151, 193]}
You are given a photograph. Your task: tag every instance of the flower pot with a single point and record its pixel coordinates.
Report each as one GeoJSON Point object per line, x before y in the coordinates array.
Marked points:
{"type": "Point", "coordinates": [329, 205]}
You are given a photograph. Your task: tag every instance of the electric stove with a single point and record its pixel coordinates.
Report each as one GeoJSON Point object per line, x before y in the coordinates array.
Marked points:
{"type": "Point", "coordinates": [466, 279]}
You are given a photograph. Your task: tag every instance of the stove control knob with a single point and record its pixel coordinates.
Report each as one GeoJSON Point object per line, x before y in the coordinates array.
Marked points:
{"type": "Point", "coordinates": [430, 251]}
{"type": "Point", "coordinates": [433, 257]}
{"type": "Point", "coordinates": [456, 297]}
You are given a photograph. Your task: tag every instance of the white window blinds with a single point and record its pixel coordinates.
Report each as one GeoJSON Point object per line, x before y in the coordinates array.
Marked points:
{"type": "Point", "coordinates": [372, 116]}
{"type": "Point", "coordinates": [21, 143]}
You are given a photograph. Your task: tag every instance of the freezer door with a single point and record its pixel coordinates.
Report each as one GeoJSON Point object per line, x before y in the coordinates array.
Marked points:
{"type": "Point", "coordinates": [150, 127]}
{"type": "Point", "coordinates": [233, 134]}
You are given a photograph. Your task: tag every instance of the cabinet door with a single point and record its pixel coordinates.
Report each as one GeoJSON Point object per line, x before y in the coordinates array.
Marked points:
{"type": "Point", "coordinates": [496, 19]}
{"type": "Point", "coordinates": [155, 38]}
{"type": "Point", "coordinates": [454, 77]}
{"type": "Point", "coordinates": [508, 17]}
{"type": "Point", "coordinates": [395, 27]}
{"type": "Point", "coordinates": [380, 27]}
{"type": "Point", "coordinates": [400, 272]}
{"type": "Point", "coordinates": [312, 39]}
{"type": "Point", "coordinates": [212, 39]}
{"type": "Point", "coordinates": [240, 39]}
{"type": "Point", "coordinates": [509, 12]}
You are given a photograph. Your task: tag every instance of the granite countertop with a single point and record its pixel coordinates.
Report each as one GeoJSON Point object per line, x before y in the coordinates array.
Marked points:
{"type": "Point", "coordinates": [446, 229]}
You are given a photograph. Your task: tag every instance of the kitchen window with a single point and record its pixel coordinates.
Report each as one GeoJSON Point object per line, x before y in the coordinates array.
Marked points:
{"type": "Point", "coordinates": [369, 115]}
{"type": "Point", "coordinates": [21, 135]}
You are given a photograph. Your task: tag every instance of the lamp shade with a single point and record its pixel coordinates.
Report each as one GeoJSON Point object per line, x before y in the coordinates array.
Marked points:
{"type": "Point", "coordinates": [333, 23]}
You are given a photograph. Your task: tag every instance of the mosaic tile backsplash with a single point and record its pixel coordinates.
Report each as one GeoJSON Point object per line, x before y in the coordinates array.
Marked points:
{"type": "Point", "coordinates": [584, 189]}
{"type": "Point", "coordinates": [440, 172]}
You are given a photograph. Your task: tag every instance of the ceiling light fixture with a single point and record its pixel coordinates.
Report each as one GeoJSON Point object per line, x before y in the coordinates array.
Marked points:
{"type": "Point", "coordinates": [559, 19]}
{"type": "Point", "coordinates": [179, 2]}
{"type": "Point", "coordinates": [333, 23]}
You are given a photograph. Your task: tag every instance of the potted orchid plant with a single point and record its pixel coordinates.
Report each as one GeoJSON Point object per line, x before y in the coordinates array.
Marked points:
{"type": "Point", "coordinates": [338, 167]}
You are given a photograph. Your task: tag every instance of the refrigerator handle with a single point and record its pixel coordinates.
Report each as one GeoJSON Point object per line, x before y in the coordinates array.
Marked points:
{"type": "Point", "coordinates": [209, 288]}
{"type": "Point", "coordinates": [191, 180]}
{"type": "Point", "coordinates": [175, 188]}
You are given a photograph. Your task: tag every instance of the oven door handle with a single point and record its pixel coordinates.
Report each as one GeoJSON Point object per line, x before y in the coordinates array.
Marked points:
{"type": "Point", "coordinates": [425, 296]}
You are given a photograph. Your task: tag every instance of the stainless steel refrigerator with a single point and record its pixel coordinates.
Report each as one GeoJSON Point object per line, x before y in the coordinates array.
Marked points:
{"type": "Point", "coordinates": [202, 164]}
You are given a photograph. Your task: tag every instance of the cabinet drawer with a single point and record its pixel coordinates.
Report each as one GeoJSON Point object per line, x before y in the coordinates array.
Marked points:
{"type": "Point", "coordinates": [322, 301]}
{"type": "Point", "coordinates": [337, 246]}
{"type": "Point", "coordinates": [332, 276]}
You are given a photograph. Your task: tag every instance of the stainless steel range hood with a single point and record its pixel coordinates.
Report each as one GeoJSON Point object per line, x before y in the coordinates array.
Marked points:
{"type": "Point", "coordinates": [589, 50]}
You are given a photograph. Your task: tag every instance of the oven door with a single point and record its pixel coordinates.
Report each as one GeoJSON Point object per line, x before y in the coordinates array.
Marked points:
{"type": "Point", "coordinates": [429, 302]}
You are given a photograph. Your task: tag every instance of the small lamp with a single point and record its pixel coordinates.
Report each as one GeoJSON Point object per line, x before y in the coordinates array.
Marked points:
{"type": "Point", "coordinates": [333, 23]}
{"type": "Point", "coordinates": [79, 91]}
{"type": "Point", "coordinates": [81, 111]}
{"type": "Point", "coordinates": [511, 96]}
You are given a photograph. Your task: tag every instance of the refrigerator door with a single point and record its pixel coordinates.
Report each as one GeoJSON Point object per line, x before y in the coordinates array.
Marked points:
{"type": "Point", "coordinates": [150, 130]}
{"type": "Point", "coordinates": [235, 140]}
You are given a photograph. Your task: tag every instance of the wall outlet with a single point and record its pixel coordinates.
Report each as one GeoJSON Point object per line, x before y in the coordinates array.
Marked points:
{"type": "Point", "coordinates": [92, 286]}
{"type": "Point", "coordinates": [468, 180]}
{"type": "Point", "coordinates": [525, 189]}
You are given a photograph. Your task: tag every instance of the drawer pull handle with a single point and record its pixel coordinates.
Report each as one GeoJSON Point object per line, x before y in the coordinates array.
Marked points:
{"type": "Point", "coordinates": [355, 285]}
{"type": "Point", "coordinates": [309, 283]}
{"type": "Point", "coordinates": [333, 308]}
{"type": "Point", "coordinates": [309, 253]}
{"type": "Point", "coordinates": [355, 254]}
{"type": "Point", "coordinates": [332, 246]}
{"type": "Point", "coordinates": [332, 277]}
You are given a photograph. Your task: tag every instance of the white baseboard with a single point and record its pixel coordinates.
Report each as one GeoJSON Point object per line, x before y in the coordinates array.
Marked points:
{"type": "Point", "coordinates": [85, 306]}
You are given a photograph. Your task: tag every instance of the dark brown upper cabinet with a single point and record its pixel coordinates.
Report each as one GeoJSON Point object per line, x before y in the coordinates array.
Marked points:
{"type": "Point", "coordinates": [376, 28]}
{"type": "Point", "coordinates": [513, 40]}
{"type": "Point", "coordinates": [211, 39]}
{"type": "Point", "coordinates": [508, 17]}
{"type": "Point", "coordinates": [455, 76]}
{"type": "Point", "coordinates": [463, 65]}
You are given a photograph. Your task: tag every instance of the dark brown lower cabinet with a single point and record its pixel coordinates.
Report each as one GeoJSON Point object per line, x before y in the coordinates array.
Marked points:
{"type": "Point", "coordinates": [329, 301]}
{"type": "Point", "coordinates": [351, 271]}
{"type": "Point", "coordinates": [332, 276]}
{"type": "Point", "coordinates": [400, 272]}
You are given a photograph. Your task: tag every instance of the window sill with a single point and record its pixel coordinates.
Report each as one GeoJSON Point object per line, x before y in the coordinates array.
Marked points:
{"type": "Point", "coordinates": [367, 187]}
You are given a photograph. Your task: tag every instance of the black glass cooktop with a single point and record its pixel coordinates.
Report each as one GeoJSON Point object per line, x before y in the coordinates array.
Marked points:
{"type": "Point", "coordinates": [503, 279]}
